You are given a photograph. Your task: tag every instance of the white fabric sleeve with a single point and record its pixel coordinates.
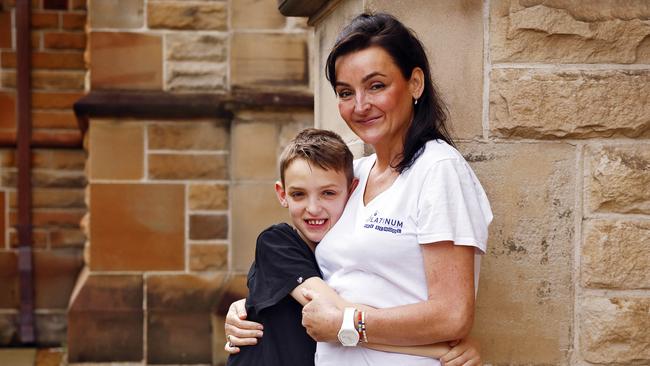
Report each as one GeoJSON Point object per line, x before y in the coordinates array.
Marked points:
{"type": "Point", "coordinates": [453, 206]}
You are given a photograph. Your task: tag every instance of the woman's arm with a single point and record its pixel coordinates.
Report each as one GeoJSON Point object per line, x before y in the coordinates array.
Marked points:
{"type": "Point", "coordinates": [448, 313]}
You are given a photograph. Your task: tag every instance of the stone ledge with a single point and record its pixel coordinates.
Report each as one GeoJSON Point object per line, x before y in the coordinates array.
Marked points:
{"type": "Point", "coordinates": [300, 8]}
{"type": "Point", "coordinates": [142, 104]}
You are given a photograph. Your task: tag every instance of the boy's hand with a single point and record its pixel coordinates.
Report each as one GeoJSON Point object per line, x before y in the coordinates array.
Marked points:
{"type": "Point", "coordinates": [240, 332]}
{"type": "Point", "coordinates": [465, 352]}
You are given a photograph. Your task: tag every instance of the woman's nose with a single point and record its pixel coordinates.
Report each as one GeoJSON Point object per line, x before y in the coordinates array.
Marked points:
{"type": "Point", "coordinates": [361, 103]}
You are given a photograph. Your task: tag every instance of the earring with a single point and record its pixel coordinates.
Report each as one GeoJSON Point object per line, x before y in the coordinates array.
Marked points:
{"type": "Point", "coordinates": [415, 102]}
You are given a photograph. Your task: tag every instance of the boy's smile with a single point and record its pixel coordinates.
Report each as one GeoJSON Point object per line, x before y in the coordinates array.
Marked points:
{"type": "Point", "coordinates": [315, 197]}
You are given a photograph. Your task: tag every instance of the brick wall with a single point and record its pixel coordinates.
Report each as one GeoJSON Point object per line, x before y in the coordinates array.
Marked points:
{"type": "Point", "coordinates": [58, 43]}
{"type": "Point", "coordinates": [549, 103]}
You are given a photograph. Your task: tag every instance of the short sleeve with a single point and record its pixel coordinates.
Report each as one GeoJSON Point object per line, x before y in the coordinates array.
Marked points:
{"type": "Point", "coordinates": [282, 262]}
{"type": "Point", "coordinates": [452, 205]}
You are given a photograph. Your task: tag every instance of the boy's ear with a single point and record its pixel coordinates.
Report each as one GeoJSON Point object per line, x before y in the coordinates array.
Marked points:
{"type": "Point", "coordinates": [353, 186]}
{"type": "Point", "coordinates": [282, 195]}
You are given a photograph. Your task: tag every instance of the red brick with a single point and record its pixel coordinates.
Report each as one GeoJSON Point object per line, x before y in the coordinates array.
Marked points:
{"type": "Point", "coordinates": [49, 357]}
{"type": "Point", "coordinates": [67, 238]}
{"type": "Point", "coordinates": [62, 100]}
{"type": "Point", "coordinates": [74, 21]}
{"type": "Point", "coordinates": [49, 218]}
{"type": "Point", "coordinates": [64, 40]}
{"type": "Point", "coordinates": [9, 295]}
{"type": "Point", "coordinates": [5, 30]}
{"type": "Point", "coordinates": [60, 138]}
{"type": "Point", "coordinates": [7, 110]}
{"type": "Point", "coordinates": [3, 215]}
{"type": "Point", "coordinates": [54, 119]}
{"type": "Point", "coordinates": [36, 40]}
{"type": "Point", "coordinates": [45, 20]}
{"type": "Point", "coordinates": [48, 60]}
{"type": "Point", "coordinates": [55, 273]}
{"type": "Point", "coordinates": [39, 239]}
{"type": "Point", "coordinates": [55, 4]}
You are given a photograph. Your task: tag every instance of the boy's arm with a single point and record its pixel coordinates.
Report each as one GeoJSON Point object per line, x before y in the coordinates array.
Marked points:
{"type": "Point", "coordinates": [317, 284]}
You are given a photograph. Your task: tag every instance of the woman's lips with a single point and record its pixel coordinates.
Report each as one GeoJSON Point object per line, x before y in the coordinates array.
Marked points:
{"type": "Point", "coordinates": [366, 121]}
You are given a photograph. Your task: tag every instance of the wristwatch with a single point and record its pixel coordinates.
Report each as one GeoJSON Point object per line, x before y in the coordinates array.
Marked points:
{"type": "Point", "coordinates": [348, 335]}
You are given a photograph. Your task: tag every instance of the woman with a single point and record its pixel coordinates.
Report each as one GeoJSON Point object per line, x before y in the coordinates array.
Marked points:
{"type": "Point", "coordinates": [407, 240]}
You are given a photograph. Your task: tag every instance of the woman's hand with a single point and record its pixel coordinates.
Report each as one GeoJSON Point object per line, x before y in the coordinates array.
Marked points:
{"type": "Point", "coordinates": [240, 332]}
{"type": "Point", "coordinates": [321, 317]}
{"type": "Point", "coordinates": [463, 353]}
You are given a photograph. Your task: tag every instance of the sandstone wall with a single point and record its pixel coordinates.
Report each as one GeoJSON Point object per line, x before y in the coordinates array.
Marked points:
{"type": "Point", "coordinates": [549, 102]}
{"type": "Point", "coordinates": [58, 42]}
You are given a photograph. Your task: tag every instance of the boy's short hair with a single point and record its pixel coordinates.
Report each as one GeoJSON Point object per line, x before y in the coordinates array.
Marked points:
{"type": "Point", "coordinates": [325, 149]}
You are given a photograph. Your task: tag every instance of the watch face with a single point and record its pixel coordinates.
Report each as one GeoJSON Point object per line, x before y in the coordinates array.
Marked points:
{"type": "Point", "coordinates": [348, 337]}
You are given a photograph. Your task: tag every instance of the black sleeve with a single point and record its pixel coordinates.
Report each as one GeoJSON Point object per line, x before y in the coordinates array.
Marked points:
{"type": "Point", "coordinates": [282, 262]}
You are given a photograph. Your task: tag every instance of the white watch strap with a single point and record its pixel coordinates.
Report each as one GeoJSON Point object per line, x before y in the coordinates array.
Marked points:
{"type": "Point", "coordinates": [348, 318]}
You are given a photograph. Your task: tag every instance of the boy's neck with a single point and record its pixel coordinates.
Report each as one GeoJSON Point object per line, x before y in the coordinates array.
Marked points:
{"type": "Point", "coordinates": [309, 243]}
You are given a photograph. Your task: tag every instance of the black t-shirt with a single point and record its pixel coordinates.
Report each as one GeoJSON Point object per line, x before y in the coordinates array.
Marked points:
{"type": "Point", "coordinates": [282, 262]}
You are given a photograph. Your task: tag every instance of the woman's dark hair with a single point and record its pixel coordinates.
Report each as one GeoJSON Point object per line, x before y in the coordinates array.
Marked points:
{"type": "Point", "coordinates": [385, 31]}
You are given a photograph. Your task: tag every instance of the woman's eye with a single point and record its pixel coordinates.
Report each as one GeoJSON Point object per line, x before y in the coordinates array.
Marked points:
{"type": "Point", "coordinates": [376, 86]}
{"type": "Point", "coordinates": [344, 94]}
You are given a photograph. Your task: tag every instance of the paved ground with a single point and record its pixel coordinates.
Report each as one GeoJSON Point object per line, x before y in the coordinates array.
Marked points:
{"type": "Point", "coordinates": [31, 357]}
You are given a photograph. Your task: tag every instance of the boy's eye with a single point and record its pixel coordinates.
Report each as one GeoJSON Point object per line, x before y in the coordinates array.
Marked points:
{"type": "Point", "coordinates": [329, 193]}
{"type": "Point", "coordinates": [295, 194]}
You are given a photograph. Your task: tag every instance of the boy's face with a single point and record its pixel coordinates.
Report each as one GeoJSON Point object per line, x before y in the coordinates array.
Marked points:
{"type": "Point", "coordinates": [315, 197]}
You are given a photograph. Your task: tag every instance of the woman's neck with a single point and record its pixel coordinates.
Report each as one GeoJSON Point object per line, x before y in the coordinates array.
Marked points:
{"type": "Point", "coordinates": [388, 156]}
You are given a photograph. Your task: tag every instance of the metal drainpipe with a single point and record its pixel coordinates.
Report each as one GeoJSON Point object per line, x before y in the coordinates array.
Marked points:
{"type": "Point", "coordinates": [24, 126]}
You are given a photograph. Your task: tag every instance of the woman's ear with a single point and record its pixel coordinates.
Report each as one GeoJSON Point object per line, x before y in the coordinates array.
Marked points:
{"type": "Point", "coordinates": [281, 194]}
{"type": "Point", "coordinates": [416, 83]}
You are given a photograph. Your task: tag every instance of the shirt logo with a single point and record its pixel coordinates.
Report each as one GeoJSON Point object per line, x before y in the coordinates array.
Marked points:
{"type": "Point", "coordinates": [380, 223]}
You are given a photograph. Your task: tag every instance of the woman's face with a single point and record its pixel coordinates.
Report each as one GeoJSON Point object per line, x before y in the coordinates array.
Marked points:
{"type": "Point", "coordinates": [375, 99]}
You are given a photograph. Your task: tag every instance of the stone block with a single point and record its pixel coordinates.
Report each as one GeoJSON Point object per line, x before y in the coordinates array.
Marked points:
{"type": "Point", "coordinates": [208, 227]}
{"type": "Point", "coordinates": [574, 104]}
{"type": "Point", "coordinates": [196, 47]}
{"type": "Point", "coordinates": [47, 60]}
{"type": "Point", "coordinates": [73, 21]}
{"type": "Point", "coordinates": [125, 61]}
{"type": "Point", "coordinates": [106, 310]}
{"type": "Point", "coordinates": [234, 290]}
{"type": "Point", "coordinates": [55, 100]}
{"type": "Point", "coordinates": [208, 257]}
{"type": "Point", "coordinates": [617, 179]}
{"type": "Point", "coordinates": [615, 330]}
{"type": "Point", "coordinates": [566, 31]}
{"type": "Point", "coordinates": [188, 135]}
{"type": "Point", "coordinates": [116, 150]}
{"type": "Point", "coordinates": [54, 119]}
{"type": "Point", "coordinates": [151, 218]}
{"type": "Point", "coordinates": [51, 198]}
{"type": "Point", "coordinates": [178, 318]}
{"type": "Point", "coordinates": [526, 274]}
{"type": "Point", "coordinates": [187, 14]}
{"type": "Point", "coordinates": [55, 273]}
{"type": "Point", "coordinates": [9, 290]}
{"type": "Point", "coordinates": [269, 60]}
{"type": "Point", "coordinates": [615, 254]}
{"type": "Point", "coordinates": [452, 32]}
{"type": "Point", "coordinates": [248, 198]}
{"type": "Point", "coordinates": [256, 14]}
{"type": "Point", "coordinates": [64, 40]}
{"type": "Point", "coordinates": [255, 150]}
{"type": "Point", "coordinates": [188, 166]}
{"type": "Point", "coordinates": [117, 14]}
{"type": "Point", "coordinates": [196, 75]}
{"type": "Point", "coordinates": [58, 159]}
{"type": "Point", "coordinates": [45, 179]}
{"type": "Point", "coordinates": [5, 29]}
{"type": "Point", "coordinates": [208, 197]}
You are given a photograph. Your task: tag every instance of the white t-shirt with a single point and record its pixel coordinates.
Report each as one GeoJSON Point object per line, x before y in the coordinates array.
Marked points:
{"type": "Point", "coordinates": [373, 256]}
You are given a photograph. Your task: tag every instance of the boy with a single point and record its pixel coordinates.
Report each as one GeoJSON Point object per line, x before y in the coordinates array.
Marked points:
{"type": "Point", "coordinates": [316, 179]}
